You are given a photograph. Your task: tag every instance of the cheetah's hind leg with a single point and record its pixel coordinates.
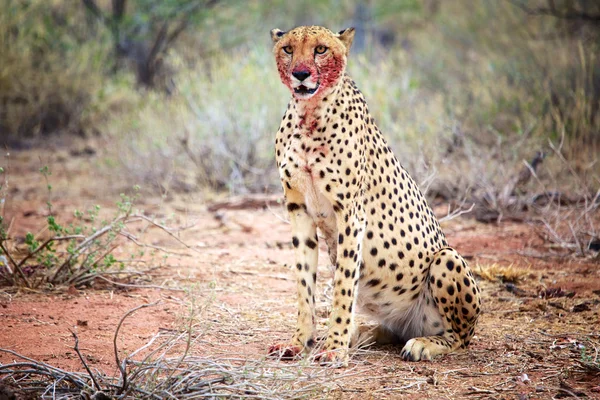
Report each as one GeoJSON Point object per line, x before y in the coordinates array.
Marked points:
{"type": "Point", "coordinates": [457, 298]}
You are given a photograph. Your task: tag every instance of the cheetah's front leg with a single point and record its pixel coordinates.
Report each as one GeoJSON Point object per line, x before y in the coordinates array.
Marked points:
{"type": "Point", "coordinates": [350, 225]}
{"type": "Point", "coordinates": [305, 242]}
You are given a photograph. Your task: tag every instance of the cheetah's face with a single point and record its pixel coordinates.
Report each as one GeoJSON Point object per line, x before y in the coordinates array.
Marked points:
{"type": "Point", "coordinates": [310, 59]}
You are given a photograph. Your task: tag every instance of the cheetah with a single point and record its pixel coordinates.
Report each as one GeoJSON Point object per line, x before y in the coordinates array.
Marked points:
{"type": "Point", "coordinates": [339, 175]}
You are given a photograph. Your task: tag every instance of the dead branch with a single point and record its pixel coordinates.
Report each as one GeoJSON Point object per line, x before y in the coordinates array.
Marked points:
{"type": "Point", "coordinates": [284, 278]}
{"type": "Point", "coordinates": [558, 152]}
{"type": "Point", "coordinates": [82, 246]}
{"type": "Point", "coordinates": [129, 285]}
{"type": "Point", "coordinates": [41, 368]}
{"type": "Point", "coordinates": [246, 202]}
{"type": "Point", "coordinates": [46, 243]}
{"type": "Point", "coordinates": [456, 213]}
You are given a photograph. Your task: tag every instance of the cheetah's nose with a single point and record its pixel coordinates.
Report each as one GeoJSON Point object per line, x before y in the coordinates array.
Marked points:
{"type": "Point", "coordinates": [301, 75]}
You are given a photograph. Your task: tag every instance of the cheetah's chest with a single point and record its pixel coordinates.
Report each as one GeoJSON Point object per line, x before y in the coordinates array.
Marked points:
{"type": "Point", "coordinates": [303, 169]}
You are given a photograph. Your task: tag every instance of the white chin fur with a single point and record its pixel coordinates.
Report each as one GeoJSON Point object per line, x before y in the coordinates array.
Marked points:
{"type": "Point", "coordinates": [303, 96]}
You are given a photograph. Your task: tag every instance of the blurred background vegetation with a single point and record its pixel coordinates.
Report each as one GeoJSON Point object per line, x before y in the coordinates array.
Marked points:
{"type": "Point", "coordinates": [184, 94]}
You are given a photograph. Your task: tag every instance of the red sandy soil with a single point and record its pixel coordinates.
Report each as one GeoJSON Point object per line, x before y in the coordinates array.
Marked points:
{"type": "Point", "coordinates": [238, 262]}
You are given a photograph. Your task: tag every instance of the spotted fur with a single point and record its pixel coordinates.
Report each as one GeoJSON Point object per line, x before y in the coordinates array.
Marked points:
{"type": "Point", "coordinates": [339, 175]}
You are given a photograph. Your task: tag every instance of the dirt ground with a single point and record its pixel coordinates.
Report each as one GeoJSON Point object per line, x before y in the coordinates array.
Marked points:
{"type": "Point", "coordinates": [532, 341]}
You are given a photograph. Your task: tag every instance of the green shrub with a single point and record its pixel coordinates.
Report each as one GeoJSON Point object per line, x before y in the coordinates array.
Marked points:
{"type": "Point", "coordinates": [218, 131]}
{"type": "Point", "coordinates": [74, 252]}
{"type": "Point", "coordinates": [49, 71]}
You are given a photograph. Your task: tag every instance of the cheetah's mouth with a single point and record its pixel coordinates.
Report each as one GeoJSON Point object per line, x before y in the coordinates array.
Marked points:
{"type": "Point", "coordinates": [303, 90]}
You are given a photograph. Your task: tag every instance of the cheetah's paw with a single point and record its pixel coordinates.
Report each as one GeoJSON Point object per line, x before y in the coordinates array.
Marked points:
{"type": "Point", "coordinates": [335, 358]}
{"type": "Point", "coordinates": [415, 350]}
{"type": "Point", "coordinates": [285, 351]}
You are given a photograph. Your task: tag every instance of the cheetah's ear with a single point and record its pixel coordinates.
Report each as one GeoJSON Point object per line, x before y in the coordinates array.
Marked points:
{"type": "Point", "coordinates": [276, 34]}
{"type": "Point", "coordinates": [346, 36]}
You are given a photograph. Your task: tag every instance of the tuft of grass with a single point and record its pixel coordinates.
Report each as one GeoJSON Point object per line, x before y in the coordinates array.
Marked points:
{"type": "Point", "coordinates": [500, 273]}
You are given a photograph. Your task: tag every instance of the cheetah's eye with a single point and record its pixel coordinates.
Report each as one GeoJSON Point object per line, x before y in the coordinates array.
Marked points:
{"type": "Point", "coordinates": [287, 49]}
{"type": "Point", "coordinates": [320, 49]}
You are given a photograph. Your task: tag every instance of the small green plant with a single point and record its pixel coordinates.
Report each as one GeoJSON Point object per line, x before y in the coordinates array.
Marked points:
{"type": "Point", "coordinates": [75, 253]}
{"type": "Point", "coordinates": [590, 361]}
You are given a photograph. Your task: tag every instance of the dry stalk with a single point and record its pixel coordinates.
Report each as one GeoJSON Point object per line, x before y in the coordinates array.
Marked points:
{"type": "Point", "coordinates": [15, 265]}
{"type": "Point", "coordinates": [76, 348]}
{"type": "Point", "coordinates": [123, 367]}
{"type": "Point", "coordinates": [457, 212]}
{"type": "Point", "coordinates": [164, 229]}
{"type": "Point", "coordinates": [26, 370]}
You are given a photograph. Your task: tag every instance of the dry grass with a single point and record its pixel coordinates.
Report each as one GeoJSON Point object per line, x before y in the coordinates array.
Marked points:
{"type": "Point", "coordinates": [500, 273]}
{"type": "Point", "coordinates": [183, 363]}
{"type": "Point", "coordinates": [169, 366]}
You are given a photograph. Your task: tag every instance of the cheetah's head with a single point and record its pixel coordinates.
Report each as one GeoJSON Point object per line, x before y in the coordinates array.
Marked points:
{"type": "Point", "coordinates": [311, 60]}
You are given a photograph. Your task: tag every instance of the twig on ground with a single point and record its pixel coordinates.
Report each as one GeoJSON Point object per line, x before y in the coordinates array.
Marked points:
{"type": "Point", "coordinates": [130, 285]}
{"type": "Point", "coordinates": [246, 202]}
{"type": "Point", "coordinates": [41, 368]}
{"type": "Point", "coordinates": [284, 278]}
{"type": "Point", "coordinates": [473, 390]}
{"type": "Point", "coordinates": [393, 389]}
{"type": "Point", "coordinates": [280, 217]}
